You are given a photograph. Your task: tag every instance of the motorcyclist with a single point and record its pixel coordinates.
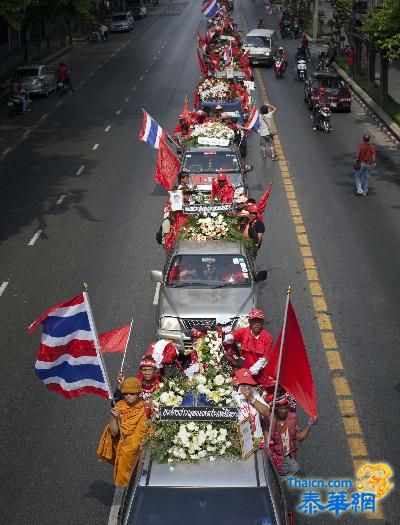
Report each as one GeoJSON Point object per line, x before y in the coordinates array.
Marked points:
{"type": "Point", "coordinates": [260, 24]}
{"type": "Point", "coordinates": [299, 55]}
{"type": "Point", "coordinates": [321, 102]}
{"type": "Point", "coordinates": [282, 55]}
{"type": "Point", "coordinates": [62, 74]}
{"type": "Point", "coordinates": [17, 92]}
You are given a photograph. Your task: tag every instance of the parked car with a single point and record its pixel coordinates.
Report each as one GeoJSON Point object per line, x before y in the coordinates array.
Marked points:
{"type": "Point", "coordinates": [215, 493]}
{"type": "Point", "coordinates": [37, 79]}
{"type": "Point", "coordinates": [204, 283]}
{"type": "Point", "coordinates": [337, 90]}
{"type": "Point", "coordinates": [122, 22]}
{"type": "Point", "coordinates": [263, 46]}
{"type": "Point", "coordinates": [139, 10]}
{"type": "Point", "coordinates": [203, 163]}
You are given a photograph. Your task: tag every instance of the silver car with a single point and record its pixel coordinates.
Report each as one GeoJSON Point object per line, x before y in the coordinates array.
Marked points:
{"type": "Point", "coordinates": [122, 22]}
{"type": "Point", "coordinates": [37, 79]}
{"type": "Point", "coordinates": [213, 493]}
{"type": "Point", "coordinates": [204, 283]}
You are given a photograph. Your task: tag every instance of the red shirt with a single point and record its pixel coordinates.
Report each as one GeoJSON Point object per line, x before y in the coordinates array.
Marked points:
{"type": "Point", "coordinates": [366, 153]}
{"type": "Point", "coordinates": [253, 348]}
{"type": "Point", "coordinates": [62, 72]}
{"type": "Point", "coordinates": [351, 57]}
{"type": "Point", "coordinates": [224, 193]}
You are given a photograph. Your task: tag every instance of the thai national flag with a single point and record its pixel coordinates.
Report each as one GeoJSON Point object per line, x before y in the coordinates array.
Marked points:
{"type": "Point", "coordinates": [68, 362]}
{"type": "Point", "coordinates": [210, 9]}
{"type": "Point", "coordinates": [228, 55]}
{"type": "Point", "coordinates": [253, 122]}
{"type": "Point", "coordinates": [151, 132]}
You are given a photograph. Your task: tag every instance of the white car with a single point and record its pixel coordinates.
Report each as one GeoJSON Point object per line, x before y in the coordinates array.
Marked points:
{"type": "Point", "coordinates": [122, 22]}
{"type": "Point", "coordinates": [262, 44]}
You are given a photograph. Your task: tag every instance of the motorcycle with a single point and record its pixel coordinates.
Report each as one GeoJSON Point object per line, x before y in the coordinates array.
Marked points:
{"type": "Point", "coordinates": [279, 67]}
{"type": "Point", "coordinates": [301, 70]}
{"type": "Point", "coordinates": [324, 119]}
{"type": "Point", "coordinates": [62, 87]}
{"type": "Point", "coordinates": [14, 105]}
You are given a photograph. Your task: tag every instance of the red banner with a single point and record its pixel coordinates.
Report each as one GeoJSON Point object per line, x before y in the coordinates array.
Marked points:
{"type": "Point", "coordinates": [168, 166]}
{"type": "Point", "coordinates": [295, 374]}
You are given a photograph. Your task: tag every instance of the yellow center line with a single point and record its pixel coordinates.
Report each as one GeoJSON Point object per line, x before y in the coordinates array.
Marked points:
{"type": "Point", "coordinates": [351, 424]}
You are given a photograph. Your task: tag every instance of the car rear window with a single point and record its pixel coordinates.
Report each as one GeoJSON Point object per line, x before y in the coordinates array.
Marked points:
{"type": "Point", "coordinates": [329, 82]}
{"type": "Point", "coordinates": [119, 18]}
{"type": "Point", "coordinates": [201, 506]}
{"type": "Point", "coordinates": [34, 72]}
{"type": "Point", "coordinates": [208, 270]}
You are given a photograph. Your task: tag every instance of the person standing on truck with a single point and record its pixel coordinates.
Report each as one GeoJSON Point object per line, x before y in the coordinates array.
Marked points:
{"type": "Point", "coordinates": [222, 189]}
{"type": "Point", "coordinates": [256, 344]}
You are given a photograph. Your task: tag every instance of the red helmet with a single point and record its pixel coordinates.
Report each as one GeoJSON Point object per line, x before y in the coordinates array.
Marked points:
{"type": "Point", "coordinates": [256, 314]}
{"type": "Point", "coordinates": [252, 208]}
{"type": "Point", "coordinates": [222, 176]}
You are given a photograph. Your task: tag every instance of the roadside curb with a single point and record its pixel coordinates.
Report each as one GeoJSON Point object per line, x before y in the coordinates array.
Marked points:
{"type": "Point", "coordinates": [50, 58]}
{"type": "Point", "coordinates": [377, 114]}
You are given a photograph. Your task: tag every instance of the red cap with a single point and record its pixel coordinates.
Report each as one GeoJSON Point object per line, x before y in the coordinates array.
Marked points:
{"type": "Point", "coordinates": [256, 314]}
{"type": "Point", "coordinates": [222, 176]}
{"type": "Point", "coordinates": [282, 400]}
{"type": "Point", "coordinates": [252, 208]}
{"type": "Point", "coordinates": [243, 377]}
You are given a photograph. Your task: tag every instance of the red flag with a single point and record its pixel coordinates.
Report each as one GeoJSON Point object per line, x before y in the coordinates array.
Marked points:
{"type": "Point", "coordinates": [185, 110]}
{"type": "Point", "coordinates": [203, 67]}
{"type": "Point", "coordinates": [168, 166]}
{"type": "Point", "coordinates": [200, 39]}
{"type": "Point", "coordinates": [295, 374]}
{"type": "Point", "coordinates": [115, 340]}
{"type": "Point", "coordinates": [262, 203]}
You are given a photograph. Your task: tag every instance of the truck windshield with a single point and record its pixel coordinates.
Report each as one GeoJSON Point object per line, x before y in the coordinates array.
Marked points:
{"type": "Point", "coordinates": [202, 506]}
{"type": "Point", "coordinates": [208, 271]}
{"type": "Point", "coordinates": [258, 41]}
{"type": "Point", "coordinates": [211, 162]}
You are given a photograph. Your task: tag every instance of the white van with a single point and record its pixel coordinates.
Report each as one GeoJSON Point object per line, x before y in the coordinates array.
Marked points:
{"type": "Point", "coordinates": [263, 46]}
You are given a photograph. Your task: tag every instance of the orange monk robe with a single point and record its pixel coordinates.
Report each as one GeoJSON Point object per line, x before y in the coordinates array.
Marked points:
{"type": "Point", "coordinates": [123, 450]}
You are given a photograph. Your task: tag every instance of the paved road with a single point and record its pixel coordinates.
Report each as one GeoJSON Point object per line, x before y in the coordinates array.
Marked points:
{"type": "Point", "coordinates": [103, 230]}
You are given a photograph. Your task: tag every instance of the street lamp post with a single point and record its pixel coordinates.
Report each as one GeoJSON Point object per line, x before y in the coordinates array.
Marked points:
{"type": "Point", "coordinates": [315, 21]}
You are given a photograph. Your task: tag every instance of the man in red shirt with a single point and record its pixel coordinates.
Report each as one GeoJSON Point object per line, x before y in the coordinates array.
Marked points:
{"type": "Point", "coordinates": [366, 154]}
{"type": "Point", "coordinates": [351, 58]}
{"type": "Point", "coordinates": [256, 344]}
{"type": "Point", "coordinates": [222, 189]}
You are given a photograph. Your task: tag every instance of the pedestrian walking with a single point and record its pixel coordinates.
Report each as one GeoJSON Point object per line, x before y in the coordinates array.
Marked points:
{"type": "Point", "coordinates": [351, 58]}
{"type": "Point", "coordinates": [267, 130]}
{"type": "Point", "coordinates": [365, 160]}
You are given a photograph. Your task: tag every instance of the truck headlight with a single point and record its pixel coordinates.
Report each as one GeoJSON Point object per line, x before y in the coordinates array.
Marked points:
{"type": "Point", "coordinates": [169, 323]}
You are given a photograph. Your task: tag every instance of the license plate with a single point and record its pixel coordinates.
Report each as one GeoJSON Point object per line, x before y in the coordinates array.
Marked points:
{"type": "Point", "coordinates": [333, 104]}
{"type": "Point", "coordinates": [255, 61]}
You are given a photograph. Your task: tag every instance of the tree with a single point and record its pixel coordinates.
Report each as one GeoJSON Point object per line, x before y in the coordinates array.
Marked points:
{"type": "Point", "coordinates": [382, 30]}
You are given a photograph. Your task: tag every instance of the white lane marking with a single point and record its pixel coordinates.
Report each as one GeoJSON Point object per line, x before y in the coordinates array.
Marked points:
{"type": "Point", "coordinates": [118, 112]}
{"type": "Point", "coordinates": [59, 103]}
{"type": "Point", "coordinates": [95, 147]}
{"type": "Point", "coordinates": [107, 128]}
{"type": "Point", "coordinates": [62, 197]}
{"type": "Point", "coordinates": [3, 286]}
{"type": "Point", "coordinates": [146, 70]}
{"type": "Point", "coordinates": [159, 52]}
{"type": "Point", "coordinates": [35, 238]}
{"type": "Point", "coordinates": [118, 50]}
{"type": "Point", "coordinates": [156, 293]}
{"type": "Point", "coordinates": [6, 151]}
{"type": "Point", "coordinates": [81, 83]}
{"type": "Point", "coordinates": [117, 500]}
{"type": "Point", "coordinates": [91, 74]}
{"type": "Point", "coordinates": [43, 117]}
{"type": "Point", "coordinates": [80, 169]}
{"type": "Point", "coordinates": [27, 132]}
{"type": "Point", "coordinates": [154, 58]}
{"type": "Point", "coordinates": [127, 99]}
{"type": "Point", "coordinates": [134, 88]}
{"type": "Point", "coordinates": [141, 78]}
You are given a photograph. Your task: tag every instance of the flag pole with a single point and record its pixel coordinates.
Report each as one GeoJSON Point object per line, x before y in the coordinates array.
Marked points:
{"type": "Point", "coordinates": [279, 363]}
{"type": "Point", "coordinates": [126, 346]}
{"type": "Point", "coordinates": [96, 340]}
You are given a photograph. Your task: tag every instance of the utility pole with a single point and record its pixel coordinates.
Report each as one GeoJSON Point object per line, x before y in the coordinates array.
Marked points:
{"type": "Point", "coordinates": [315, 21]}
